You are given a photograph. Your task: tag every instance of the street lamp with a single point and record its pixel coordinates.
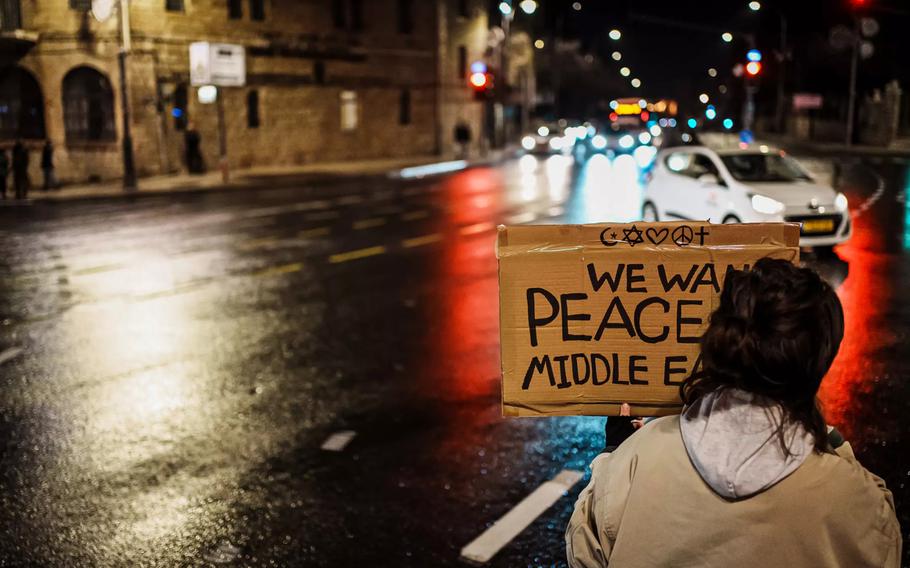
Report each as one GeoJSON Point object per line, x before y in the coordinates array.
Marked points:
{"type": "Point", "coordinates": [101, 10]}
{"type": "Point", "coordinates": [625, 71]}
{"type": "Point", "coordinates": [528, 6]}
{"type": "Point", "coordinates": [755, 6]}
{"type": "Point", "coordinates": [703, 98]}
{"type": "Point", "coordinates": [636, 83]}
{"type": "Point", "coordinates": [615, 35]}
{"type": "Point", "coordinates": [727, 37]}
{"type": "Point", "coordinates": [505, 8]}
{"type": "Point", "coordinates": [617, 56]}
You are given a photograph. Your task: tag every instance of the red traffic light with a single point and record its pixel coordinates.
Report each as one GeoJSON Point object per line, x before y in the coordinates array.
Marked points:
{"type": "Point", "coordinates": [753, 68]}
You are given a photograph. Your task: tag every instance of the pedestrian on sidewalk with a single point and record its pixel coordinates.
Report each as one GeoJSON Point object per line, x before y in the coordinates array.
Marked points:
{"type": "Point", "coordinates": [4, 172]}
{"type": "Point", "coordinates": [47, 165]}
{"type": "Point", "coordinates": [749, 475]}
{"type": "Point", "coordinates": [462, 140]}
{"type": "Point", "coordinates": [20, 169]}
{"type": "Point", "coordinates": [192, 143]}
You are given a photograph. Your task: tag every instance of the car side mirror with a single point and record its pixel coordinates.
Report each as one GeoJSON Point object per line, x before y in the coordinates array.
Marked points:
{"type": "Point", "coordinates": [709, 179]}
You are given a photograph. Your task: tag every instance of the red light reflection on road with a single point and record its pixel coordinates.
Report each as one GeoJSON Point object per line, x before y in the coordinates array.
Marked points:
{"type": "Point", "coordinates": [863, 295]}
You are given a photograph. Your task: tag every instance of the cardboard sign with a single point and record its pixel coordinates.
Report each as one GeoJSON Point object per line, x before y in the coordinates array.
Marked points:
{"type": "Point", "coordinates": [592, 316]}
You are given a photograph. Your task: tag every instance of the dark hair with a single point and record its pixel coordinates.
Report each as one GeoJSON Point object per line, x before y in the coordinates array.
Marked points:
{"type": "Point", "coordinates": [774, 334]}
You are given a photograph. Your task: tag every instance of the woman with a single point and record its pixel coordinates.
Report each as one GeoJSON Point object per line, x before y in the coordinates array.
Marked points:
{"type": "Point", "coordinates": [746, 476]}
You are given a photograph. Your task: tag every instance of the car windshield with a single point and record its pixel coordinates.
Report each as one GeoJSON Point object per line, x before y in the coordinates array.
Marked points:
{"type": "Point", "coordinates": [764, 167]}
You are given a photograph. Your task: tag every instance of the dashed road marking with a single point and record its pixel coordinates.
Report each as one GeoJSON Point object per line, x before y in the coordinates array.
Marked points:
{"type": "Point", "coordinates": [477, 228]}
{"type": "Point", "coordinates": [97, 269]}
{"type": "Point", "coordinates": [369, 223]}
{"type": "Point", "coordinates": [422, 240]}
{"type": "Point", "coordinates": [278, 270]}
{"type": "Point", "coordinates": [510, 525]}
{"type": "Point", "coordinates": [414, 215]}
{"type": "Point", "coordinates": [876, 195]}
{"type": "Point", "coordinates": [11, 353]}
{"type": "Point", "coordinates": [356, 254]}
{"type": "Point", "coordinates": [338, 441]}
{"type": "Point", "coordinates": [314, 232]}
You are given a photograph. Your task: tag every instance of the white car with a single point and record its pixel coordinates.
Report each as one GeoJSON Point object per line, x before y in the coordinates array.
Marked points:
{"type": "Point", "coordinates": [745, 186]}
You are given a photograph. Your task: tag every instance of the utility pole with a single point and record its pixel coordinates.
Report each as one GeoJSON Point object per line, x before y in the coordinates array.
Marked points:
{"type": "Point", "coordinates": [129, 166]}
{"type": "Point", "coordinates": [851, 101]}
{"type": "Point", "coordinates": [782, 75]}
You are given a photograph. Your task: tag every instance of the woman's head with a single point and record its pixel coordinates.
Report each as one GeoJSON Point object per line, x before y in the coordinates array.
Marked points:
{"type": "Point", "coordinates": [775, 333]}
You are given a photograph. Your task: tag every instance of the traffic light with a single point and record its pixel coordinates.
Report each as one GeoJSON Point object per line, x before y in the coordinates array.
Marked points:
{"type": "Point", "coordinates": [753, 68]}
{"type": "Point", "coordinates": [481, 81]}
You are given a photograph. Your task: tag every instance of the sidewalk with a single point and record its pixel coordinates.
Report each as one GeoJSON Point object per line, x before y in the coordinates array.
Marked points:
{"type": "Point", "coordinates": [255, 177]}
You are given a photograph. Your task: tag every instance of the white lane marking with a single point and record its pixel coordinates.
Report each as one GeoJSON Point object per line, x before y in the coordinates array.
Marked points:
{"type": "Point", "coordinates": [876, 195]}
{"type": "Point", "coordinates": [510, 525]}
{"type": "Point", "coordinates": [9, 354]}
{"type": "Point", "coordinates": [337, 441]}
{"type": "Point", "coordinates": [432, 169]}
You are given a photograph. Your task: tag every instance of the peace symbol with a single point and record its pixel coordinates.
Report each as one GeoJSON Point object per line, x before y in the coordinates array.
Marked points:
{"type": "Point", "coordinates": [683, 235]}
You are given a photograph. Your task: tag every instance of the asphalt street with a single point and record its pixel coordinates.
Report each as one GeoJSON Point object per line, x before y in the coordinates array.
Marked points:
{"type": "Point", "coordinates": [308, 374]}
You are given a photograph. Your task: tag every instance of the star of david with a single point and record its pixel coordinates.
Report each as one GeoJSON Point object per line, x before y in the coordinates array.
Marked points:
{"type": "Point", "coordinates": [633, 236]}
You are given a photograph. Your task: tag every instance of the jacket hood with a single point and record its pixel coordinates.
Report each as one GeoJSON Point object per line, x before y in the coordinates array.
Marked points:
{"type": "Point", "coordinates": [732, 438]}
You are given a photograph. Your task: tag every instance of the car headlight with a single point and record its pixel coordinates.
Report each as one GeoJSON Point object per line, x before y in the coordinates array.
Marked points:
{"type": "Point", "coordinates": [528, 142]}
{"type": "Point", "coordinates": [840, 202]}
{"type": "Point", "coordinates": [626, 141]}
{"type": "Point", "coordinates": [766, 205]}
{"type": "Point", "coordinates": [599, 142]}
{"type": "Point", "coordinates": [556, 143]}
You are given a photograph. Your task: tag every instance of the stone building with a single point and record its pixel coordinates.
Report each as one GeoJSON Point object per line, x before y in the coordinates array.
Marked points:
{"type": "Point", "coordinates": [326, 80]}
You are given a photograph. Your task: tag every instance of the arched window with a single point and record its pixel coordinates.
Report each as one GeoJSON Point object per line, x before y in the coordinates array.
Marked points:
{"type": "Point", "coordinates": [21, 105]}
{"type": "Point", "coordinates": [88, 106]}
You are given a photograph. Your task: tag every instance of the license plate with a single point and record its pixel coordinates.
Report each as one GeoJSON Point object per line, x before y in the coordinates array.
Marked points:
{"type": "Point", "coordinates": [818, 226]}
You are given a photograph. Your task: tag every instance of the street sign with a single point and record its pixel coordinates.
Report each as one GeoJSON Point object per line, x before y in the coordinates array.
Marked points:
{"type": "Point", "coordinates": [219, 64]}
{"type": "Point", "coordinates": [807, 101]}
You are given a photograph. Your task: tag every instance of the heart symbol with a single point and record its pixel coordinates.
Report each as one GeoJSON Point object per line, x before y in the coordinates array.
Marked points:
{"type": "Point", "coordinates": [656, 236]}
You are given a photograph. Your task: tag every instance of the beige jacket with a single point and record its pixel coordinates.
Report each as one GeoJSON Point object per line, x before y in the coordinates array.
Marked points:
{"type": "Point", "coordinates": [647, 506]}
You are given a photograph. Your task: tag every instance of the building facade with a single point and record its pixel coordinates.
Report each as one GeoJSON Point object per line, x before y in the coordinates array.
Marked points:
{"type": "Point", "coordinates": [326, 80]}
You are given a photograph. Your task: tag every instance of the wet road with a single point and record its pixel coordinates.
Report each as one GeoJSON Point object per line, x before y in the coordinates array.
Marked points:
{"type": "Point", "coordinates": [172, 366]}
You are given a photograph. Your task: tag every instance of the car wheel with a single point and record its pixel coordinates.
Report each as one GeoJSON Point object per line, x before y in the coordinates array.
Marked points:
{"type": "Point", "coordinates": [649, 213]}
{"type": "Point", "coordinates": [731, 219]}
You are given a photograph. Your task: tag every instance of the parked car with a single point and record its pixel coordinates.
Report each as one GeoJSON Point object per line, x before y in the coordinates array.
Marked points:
{"type": "Point", "coordinates": [745, 186]}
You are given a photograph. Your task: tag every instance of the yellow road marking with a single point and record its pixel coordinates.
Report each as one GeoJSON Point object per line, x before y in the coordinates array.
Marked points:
{"type": "Point", "coordinates": [97, 269]}
{"type": "Point", "coordinates": [315, 232]}
{"type": "Point", "coordinates": [414, 215]}
{"type": "Point", "coordinates": [368, 223]}
{"type": "Point", "coordinates": [420, 241]}
{"type": "Point", "coordinates": [277, 270]}
{"type": "Point", "coordinates": [356, 254]}
{"type": "Point", "coordinates": [477, 228]}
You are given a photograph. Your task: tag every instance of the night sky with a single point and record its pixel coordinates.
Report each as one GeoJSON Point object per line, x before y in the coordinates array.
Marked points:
{"type": "Point", "coordinates": [670, 45]}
